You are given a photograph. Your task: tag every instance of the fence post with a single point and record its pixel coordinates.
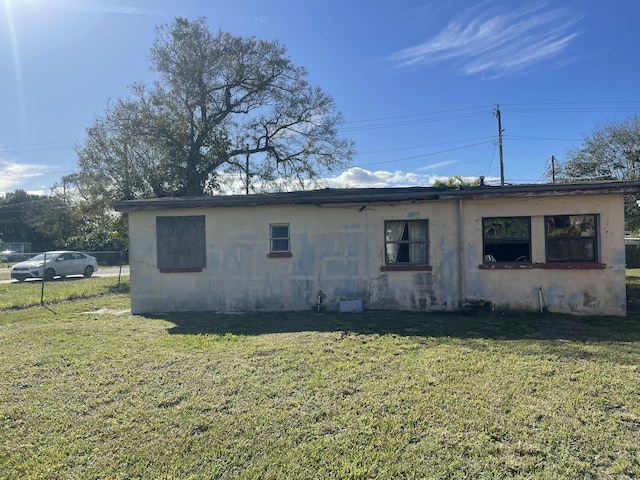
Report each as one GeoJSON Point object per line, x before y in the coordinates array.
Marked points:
{"type": "Point", "coordinates": [44, 270]}
{"type": "Point", "coordinates": [120, 271]}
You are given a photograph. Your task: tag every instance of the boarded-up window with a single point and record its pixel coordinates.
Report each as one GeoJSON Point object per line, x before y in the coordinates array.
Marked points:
{"type": "Point", "coordinates": [181, 243]}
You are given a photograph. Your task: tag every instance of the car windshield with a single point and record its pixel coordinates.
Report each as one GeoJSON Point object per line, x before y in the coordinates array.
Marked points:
{"type": "Point", "coordinates": [40, 257]}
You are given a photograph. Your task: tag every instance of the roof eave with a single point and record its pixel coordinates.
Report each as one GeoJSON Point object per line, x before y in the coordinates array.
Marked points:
{"type": "Point", "coordinates": [370, 196]}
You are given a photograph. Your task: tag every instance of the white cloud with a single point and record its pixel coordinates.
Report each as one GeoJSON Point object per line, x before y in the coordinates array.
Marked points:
{"type": "Point", "coordinates": [356, 177]}
{"type": "Point", "coordinates": [12, 174]}
{"type": "Point", "coordinates": [485, 42]}
{"type": "Point", "coordinates": [433, 166]}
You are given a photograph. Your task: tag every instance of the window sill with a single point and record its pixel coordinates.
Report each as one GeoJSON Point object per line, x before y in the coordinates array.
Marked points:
{"type": "Point", "coordinates": [180, 270]}
{"type": "Point", "coordinates": [279, 255]}
{"type": "Point", "coordinates": [543, 266]}
{"type": "Point", "coordinates": [406, 268]}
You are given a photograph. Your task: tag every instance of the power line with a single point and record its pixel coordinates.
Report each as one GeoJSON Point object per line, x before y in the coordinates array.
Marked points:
{"type": "Point", "coordinates": [574, 107]}
{"type": "Point", "coordinates": [410, 119]}
{"type": "Point", "coordinates": [417, 118]}
{"type": "Point", "coordinates": [549, 139]}
{"type": "Point", "coordinates": [448, 112]}
{"type": "Point", "coordinates": [425, 154]}
{"type": "Point", "coordinates": [585, 102]}
{"type": "Point", "coordinates": [36, 147]}
{"type": "Point", "coordinates": [454, 114]}
{"type": "Point", "coordinates": [426, 145]}
{"type": "Point", "coordinates": [411, 122]}
{"type": "Point", "coordinates": [385, 122]}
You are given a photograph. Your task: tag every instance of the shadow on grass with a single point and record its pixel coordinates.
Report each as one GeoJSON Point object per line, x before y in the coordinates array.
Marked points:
{"type": "Point", "coordinates": [457, 325]}
{"type": "Point", "coordinates": [122, 287]}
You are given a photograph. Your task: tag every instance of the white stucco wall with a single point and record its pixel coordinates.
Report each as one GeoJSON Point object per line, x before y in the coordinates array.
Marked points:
{"type": "Point", "coordinates": [578, 291]}
{"type": "Point", "coordinates": [339, 250]}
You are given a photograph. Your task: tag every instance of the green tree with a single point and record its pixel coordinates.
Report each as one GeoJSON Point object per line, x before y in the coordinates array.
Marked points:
{"type": "Point", "coordinates": [609, 152]}
{"type": "Point", "coordinates": [456, 181]}
{"type": "Point", "coordinates": [61, 220]}
{"type": "Point", "coordinates": [22, 219]}
{"type": "Point", "coordinates": [99, 232]}
{"type": "Point", "coordinates": [221, 103]}
{"type": "Point", "coordinates": [79, 224]}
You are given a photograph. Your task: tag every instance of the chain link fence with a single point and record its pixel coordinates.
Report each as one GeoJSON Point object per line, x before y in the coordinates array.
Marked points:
{"type": "Point", "coordinates": [28, 279]}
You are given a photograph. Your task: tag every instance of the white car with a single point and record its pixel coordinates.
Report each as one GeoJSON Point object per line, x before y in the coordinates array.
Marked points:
{"type": "Point", "coordinates": [55, 264]}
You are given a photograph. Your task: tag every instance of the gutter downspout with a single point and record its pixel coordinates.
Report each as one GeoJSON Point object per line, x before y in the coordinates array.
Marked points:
{"type": "Point", "coordinates": [461, 275]}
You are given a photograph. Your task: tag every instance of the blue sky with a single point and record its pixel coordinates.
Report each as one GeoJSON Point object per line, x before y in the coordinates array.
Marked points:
{"type": "Point", "coordinates": [418, 82]}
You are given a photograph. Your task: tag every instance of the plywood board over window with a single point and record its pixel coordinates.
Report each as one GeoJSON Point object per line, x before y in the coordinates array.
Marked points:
{"type": "Point", "coordinates": [181, 243]}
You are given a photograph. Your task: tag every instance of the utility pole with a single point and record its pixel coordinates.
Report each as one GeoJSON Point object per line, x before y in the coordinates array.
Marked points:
{"type": "Point", "coordinates": [497, 114]}
{"type": "Point", "coordinates": [247, 170]}
{"type": "Point", "coordinates": [70, 179]}
{"type": "Point", "coordinates": [64, 189]}
{"type": "Point", "coordinates": [553, 169]}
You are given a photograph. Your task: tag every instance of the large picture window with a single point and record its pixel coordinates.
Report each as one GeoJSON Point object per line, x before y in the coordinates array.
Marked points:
{"type": "Point", "coordinates": [181, 243]}
{"type": "Point", "coordinates": [572, 238]}
{"type": "Point", "coordinates": [506, 239]}
{"type": "Point", "coordinates": [406, 242]}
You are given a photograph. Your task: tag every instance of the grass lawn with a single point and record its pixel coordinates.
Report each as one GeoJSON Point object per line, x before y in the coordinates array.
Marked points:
{"type": "Point", "coordinates": [30, 293]}
{"type": "Point", "coordinates": [90, 391]}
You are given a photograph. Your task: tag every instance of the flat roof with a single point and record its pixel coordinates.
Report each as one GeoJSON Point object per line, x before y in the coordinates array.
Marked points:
{"type": "Point", "coordinates": [368, 196]}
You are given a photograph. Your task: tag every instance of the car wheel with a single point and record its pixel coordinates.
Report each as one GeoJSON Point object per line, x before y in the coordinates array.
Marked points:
{"type": "Point", "coordinates": [49, 273]}
{"type": "Point", "coordinates": [88, 271]}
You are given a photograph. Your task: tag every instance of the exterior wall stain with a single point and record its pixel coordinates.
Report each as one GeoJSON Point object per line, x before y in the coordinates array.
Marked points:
{"type": "Point", "coordinates": [589, 300]}
{"type": "Point", "coordinates": [341, 252]}
{"type": "Point", "coordinates": [382, 297]}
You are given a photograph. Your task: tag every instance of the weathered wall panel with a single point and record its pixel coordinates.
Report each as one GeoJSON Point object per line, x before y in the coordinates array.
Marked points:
{"type": "Point", "coordinates": [570, 290]}
{"type": "Point", "coordinates": [338, 251]}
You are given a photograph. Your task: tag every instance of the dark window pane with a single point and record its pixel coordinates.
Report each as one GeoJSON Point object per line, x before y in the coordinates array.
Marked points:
{"type": "Point", "coordinates": [280, 245]}
{"type": "Point", "coordinates": [571, 238]}
{"type": "Point", "coordinates": [280, 231]}
{"type": "Point", "coordinates": [506, 239]}
{"type": "Point", "coordinates": [571, 226]}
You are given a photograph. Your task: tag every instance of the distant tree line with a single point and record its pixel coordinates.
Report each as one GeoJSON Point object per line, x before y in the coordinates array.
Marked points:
{"type": "Point", "coordinates": [53, 222]}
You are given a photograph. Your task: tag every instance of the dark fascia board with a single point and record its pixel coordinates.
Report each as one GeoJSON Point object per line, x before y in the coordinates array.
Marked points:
{"type": "Point", "coordinates": [370, 196]}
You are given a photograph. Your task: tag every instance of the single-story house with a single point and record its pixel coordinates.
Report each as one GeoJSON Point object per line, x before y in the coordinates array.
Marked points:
{"type": "Point", "coordinates": [555, 247]}
{"type": "Point", "coordinates": [15, 247]}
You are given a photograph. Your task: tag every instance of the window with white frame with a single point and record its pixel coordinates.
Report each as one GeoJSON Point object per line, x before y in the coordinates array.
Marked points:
{"type": "Point", "coordinates": [406, 242]}
{"type": "Point", "coordinates": [279, 238]}
{"type": "Point", "coordinates": [572, 238]}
